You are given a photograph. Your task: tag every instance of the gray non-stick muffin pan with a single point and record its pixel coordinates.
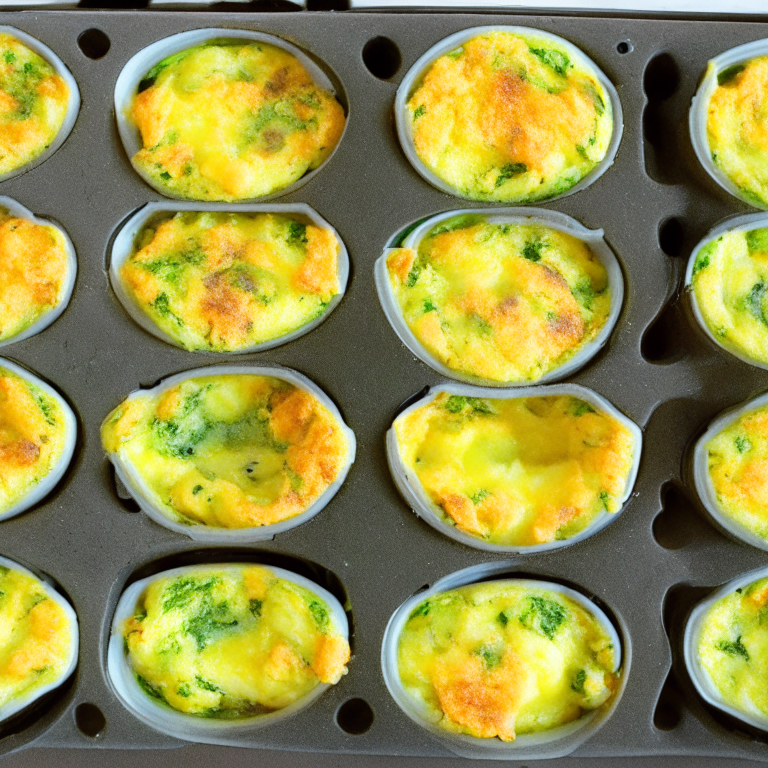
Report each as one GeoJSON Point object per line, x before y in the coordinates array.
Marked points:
{"type": "Point", "coordinates": [646, 569]}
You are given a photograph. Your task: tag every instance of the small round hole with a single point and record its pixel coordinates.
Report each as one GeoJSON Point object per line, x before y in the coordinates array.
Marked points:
{"type": "Point", "coordinates": [94, 43]}
{"type": "Point", "coordinates": [382, 57]}
{"type": "Point", "coordinates": [671, 237]}
{"type": "Point", "coordinates": [624, 47]}
{"type": "Point", "coordinates": [90, 720]}
{"type": "Point", "coordinates": [354, 716]}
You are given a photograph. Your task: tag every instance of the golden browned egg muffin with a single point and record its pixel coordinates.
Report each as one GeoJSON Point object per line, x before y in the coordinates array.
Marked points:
{"type": "Point", "coordinates": [737, 128]}
{"type": "Point", "coordinates": [521, 471]}
{"type": "Point", "coordinates": [510, 117]}
{"type": "Point", "coordinates": [505, 659]}
{"type": "Point", "coordinates": [35, 272]}
{"type": "Point", "coordinates": [232, 120]}
{"type": "Point", "coordinates": [729, 279]}
{"type": "Point", "coordinates": [34, 101]}
{"type": "Point", "coordinates": [229, 281]}
{"type": "Point", "coordinates": [732, 648]}
{"type": "Point", "coordinates": [37, 638]}
{"type": "Point", "coordinates": [229, 450]}
{"type": "Point", "coordinates": [33, 438]}
{"type": "Point", "coordinates": [502, 302]}
{"type": "Point", "coordinates": [233, 642]}
{"type": "Point", "coordinates": [737, 461]}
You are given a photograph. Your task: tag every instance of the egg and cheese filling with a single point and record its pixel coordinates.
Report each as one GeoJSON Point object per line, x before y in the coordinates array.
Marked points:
{"type": "Point", "coordinates": [730, 287]}
{"type": "Point", "coordinates": [737, 128]}
{"type": "Point", "coordinates": [503, 660]}
{"type": "Point", "coordinates": [34, 101]}
{"type": "Point", "coordinates": [502, 302]}
{"type": "Point", "coordinates": [511, 118]}
{"type": "Point", "coordinates": [737, 462]}
{"type": "Point", "coordinates": [224, 282]}
{"type": "Point", "coordinates": [231, 120]}
{"type": "Point", "coordinates": [733, 648]}
{"type": "Point", "coordinates": [229, 451]}
{"type": "Point", "coordinates": [32, 437]}
{"type": "Point", "coordinates": [232, 643]}
{"type": "Point", "coordinates": [34, 272]}
{"type": "Point", "coordinates": [36, 637]}
{"type": "Point", "coordinates": [517, 472]}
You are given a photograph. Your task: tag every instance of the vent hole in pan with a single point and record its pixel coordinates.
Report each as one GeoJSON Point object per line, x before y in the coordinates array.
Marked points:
{"type": "Point", "coordinates": [678, 524]}
{"type": "Point", "coordinates": [94, 43]}
{"type": "Point", "coordinates": [661, 123]}
{"type": "Point", "coordinates": [89, 720]}
{"type": "Point", "coordinates": [354, 716]}
{"type": "Point", "coordinates": [668, 712]}
{"type": "Point", "coordinates": [672, 237]}
{"type": "Point", "coordinates": [661, 342]}
{"type": "Point", "coordinates": [382, 57]}
{"type": "Point", "coordinates": [624, 47]}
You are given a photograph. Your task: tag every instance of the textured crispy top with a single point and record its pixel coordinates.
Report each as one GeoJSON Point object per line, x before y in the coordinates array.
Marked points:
{"type": "Point", "coordinates": [511, 118]}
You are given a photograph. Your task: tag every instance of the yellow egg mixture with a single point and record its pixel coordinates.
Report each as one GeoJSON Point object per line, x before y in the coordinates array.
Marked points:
{"type": "Point", "coordinates": [729, 281]}
{"type": "Point", "coordinates": [737, 128]}
{"type": "Point", "coordinates": [34, 272]}
{"type": "Point", "coordinates": [232, 121]}
{"type": "Point", "coordinates": [519, 472]}
{"type": "Point", "coordinates": [33, 104]}
{"type": "Point", "coordinates": [733, 648]}
{"type": "Point", "coordinates": [500, 659]}
{"type": "Point", "coordinates": [502, 302]}
{"type": "Point", "coordinates": [737, 460]}
{"type": "Point", "coordinates": [229, 451]}
{"type": "Point", "coordinates": [224, 281]}
{"type": "Point", "coordinates": [512, 118]}
{"type": "Point", "coordinates": [232, 643]}
{"type": "Point", "coordinates": [32, 437]}
{"type": "Point", "coordinates": [35, 637]}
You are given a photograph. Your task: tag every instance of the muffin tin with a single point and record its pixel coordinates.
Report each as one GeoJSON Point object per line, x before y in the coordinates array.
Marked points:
{"type": "Point", "coordinates": [646, 569]}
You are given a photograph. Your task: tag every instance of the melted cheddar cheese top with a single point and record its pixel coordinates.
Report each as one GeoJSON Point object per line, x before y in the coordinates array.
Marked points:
{"type": "Point", "coordinates": [730, 282]}
{"type": "Point", "coordinates": [32, 437]}
{"type": "Point", "coordinates": [33, 104]}
{"type": "Point", "coordinates": [737, 128]}
{"type": "Point", "coordinates": [34, 272]}
{"type": "Point", "coordinates": [518, 472]}
{"type": "Point", "coordinates": [229, 451]}
{"type": "Point", "coordinates": [232, 643]}
{"type": "Point", "coordinates": [232, 121]}
{"type": "Point", "coordinates": [503, 660]}
{"type": "Point", "coordinates": [737, 460]}
{"type": "Point", "coordinates": [224, 281]}
{"type": "Point", "coordinates": [502, 302]}
{"type": "Point", "coordinates": [733, 648]}
{"type": "Point", "coordinates": [510, 118]}
{"type": "Point", "coordinates": [35, 637]}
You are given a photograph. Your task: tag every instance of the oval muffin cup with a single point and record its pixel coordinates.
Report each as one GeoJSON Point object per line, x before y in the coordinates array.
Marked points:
{"type": "Point", "coordinates": [15, 706]}
{"type": "Point", "coordinates": [699, 676]}
{"type": "Point", "coordinates": [48, 483]}
{"type": "Point", "coordinates": [123, 248]}
{"type": "Point", "coordinates": [191, 727]}
{"type": "Point", "coordinates": [18, 210]}
{"type": "Point", "coordinates": [697, 116]}
{"type": "Point", "coordinates": [703, 482]}
{"type": "Point", "coordinates": [414, 495]}
{"type": "Point", "coordinates": [142, 494]}
{"type": "Point", "coordinates": [743, 223]}
{"type": "Point", "coordinates": [416, 74]}
{"type": "Point", "coordinates": [556, 742]}
{"type": "Point", "coordinates": [537, 216]}
{"type": "Point", "coordinates": [73, 108]}
{"type": "Point", "coordinates": [138, 66]}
